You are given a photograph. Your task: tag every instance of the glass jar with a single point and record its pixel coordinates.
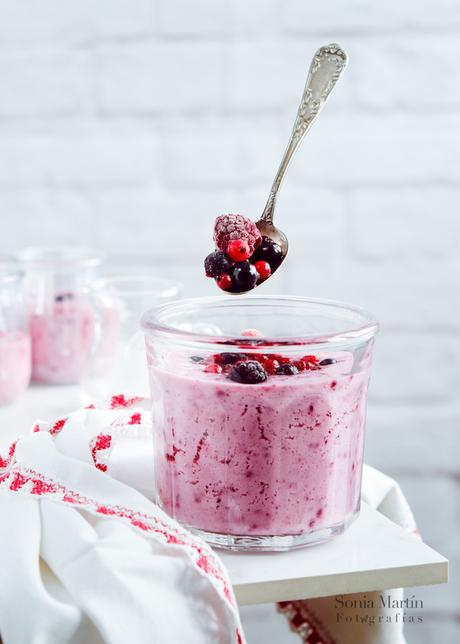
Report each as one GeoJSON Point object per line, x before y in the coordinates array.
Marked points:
{"type": "Point", "coordinates": [61, 316]}
{"type": "Point", "coordinates": [258, 416]}
{"type": "Point", "coordinates": [15, 352]}
{"type": "Point", "coordinates": [118, 363]}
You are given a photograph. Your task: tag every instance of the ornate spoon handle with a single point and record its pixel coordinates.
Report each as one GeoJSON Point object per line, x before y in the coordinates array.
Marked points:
{"type": "Point", "coordinates": [325, 69]}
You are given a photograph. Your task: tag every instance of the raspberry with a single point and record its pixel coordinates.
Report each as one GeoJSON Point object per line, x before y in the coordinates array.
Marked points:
{"type": "Point", "coordinates": [225, 282]}
{"type": "Point", "coordinates": [250, 372]}
{"type": "Point", "coordinates": [216, 264]}
{"type": "Point", "coordinates": [252, 333]}
{"type": "Point", "coordinates": [230, 227]}
{"type": "Point", "coordinates": [264, 270]}
{"type": "Point", "coordinates": [238, 250]}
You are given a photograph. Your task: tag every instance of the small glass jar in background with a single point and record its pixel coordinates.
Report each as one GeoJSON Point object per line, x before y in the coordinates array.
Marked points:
{"type": "Point", "coordinates": [15, 352]}
{"type": "Point", "coordinates": [118, 363]}
{"type": "Point", "coordinates": [259, 435]}
{"type": "Point", "coordinates": [61, 317]}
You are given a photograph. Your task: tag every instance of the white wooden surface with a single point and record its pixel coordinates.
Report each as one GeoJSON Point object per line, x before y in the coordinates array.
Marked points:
{"type": "Point", "coordinates": [373, 554]}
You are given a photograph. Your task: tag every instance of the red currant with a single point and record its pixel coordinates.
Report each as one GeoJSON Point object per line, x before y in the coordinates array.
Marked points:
{"type": "Point", "coordinates": [300, 364]}
{"type": "Point", "coordinates": [238, 250]}
{"type": "Point", "coordinates": [224, 282]}
{"type": "Point", "coordinates": [270, 366]}
{"type": "Point", "coordinates": [311, 363]}
{"type": "Point", "coordinates": [263, 268]}
{"type": "Point", "coordinates": [213, 368]}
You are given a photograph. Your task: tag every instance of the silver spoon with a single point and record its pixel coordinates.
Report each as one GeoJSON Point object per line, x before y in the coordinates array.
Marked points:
{"type": "Point", "coordinates": [326, 67]}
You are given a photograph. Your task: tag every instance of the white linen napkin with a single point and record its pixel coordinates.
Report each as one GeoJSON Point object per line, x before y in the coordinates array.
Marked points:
{"type": "Point", "coordinates": [86, 557]}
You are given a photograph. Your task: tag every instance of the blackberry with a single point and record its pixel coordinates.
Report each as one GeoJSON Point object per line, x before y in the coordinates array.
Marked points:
{"type": "Point", "coordinates": [327, 361]}
{"type": "Point", "coordinates": [216, 264]}
{"type": "Point", "coordinates": [268, 251]}
{"type": "Point", "coordinates": [229, 358]}
{"type": "Point", "coordinates": [244, 277]}
{"type": "Point", "coordinates": [250, 372]}
{"type": "Point", "coordinates": [287, 370]}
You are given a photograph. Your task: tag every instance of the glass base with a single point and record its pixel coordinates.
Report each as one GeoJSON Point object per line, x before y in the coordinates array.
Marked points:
{"type": "Point", "coordinates": [269, 543]}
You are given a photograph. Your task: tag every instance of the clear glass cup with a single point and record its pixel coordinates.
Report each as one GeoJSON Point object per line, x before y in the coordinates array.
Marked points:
{"type": "Point", "coordinates": [15, 350]}
{"type": "Point", "coordinates": [61, 316]}
{"type": "Point", "coordinates": [117, 363]}
{"type": "Point", "coordinates": [274, 465]}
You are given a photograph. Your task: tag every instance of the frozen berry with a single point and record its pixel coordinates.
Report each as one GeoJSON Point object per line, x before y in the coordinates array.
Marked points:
{"type": "Point", "coordinates": [225, 282]}
{"type": "Point", "coordinates": [244, 277]}
{"type": "Point", "coordinates": [263, 268]}
{"type": "Point", "coordinates": [268, 251]}
{"type": "Point", "coordinates": [281, 359]}
{"type": "Point", "coordinates": [216, 264]}
{"type": "Point", "coordinates": [252, 333]}
{"type": "Point", "coordinates": [311, 359]}
{"type": "Point", "coordinates": [229, 358]}
{"type": "Point", "coordinates": [213, 368]}
{"type": "Point", "coordinates": [238, 250]}
{"type": "Point", "coordinates": [300, 365]}
{"type": "Point", "coordinates": [230, 227]}
{"type": "Point", "coordinates": [250, 372]}
{"type": "Point", "coordinates": [287, 370]}
{"type": "Point", "coordinates": [311, 363]}
{"type": "Point", "coordinates": [271, 366]}
{"type": "Point", "coordinates": [327, 361]}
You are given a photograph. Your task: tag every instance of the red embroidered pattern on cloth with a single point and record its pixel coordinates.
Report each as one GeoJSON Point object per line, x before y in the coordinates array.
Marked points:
{"type": "Point", "coordinates": [24, 480]}
{"type": "Point", "coordinates": [304, 623]}
{"type": "Point", "coordinates": [100, 443]}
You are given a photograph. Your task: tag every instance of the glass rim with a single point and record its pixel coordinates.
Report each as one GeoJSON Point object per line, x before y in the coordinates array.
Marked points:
{"type": "Point", "coordinates": [62, 255]}
{"type": "Point", "coordinates": [152, 324]}
{"type": "Point", "coordinates": [146, 285]}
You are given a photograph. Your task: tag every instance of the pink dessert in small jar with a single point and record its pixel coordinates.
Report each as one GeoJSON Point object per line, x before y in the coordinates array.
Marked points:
{"type": "Point", "coordinates": [15, 366]}
{"type": "Point", "coordinates": [62, 338]}
{"type": "Point", "coordinates": [259, 440]}
{"type": "Point", "coordinates": [15, 351]}
{"type": "Point", "coordinates": [63, 320]}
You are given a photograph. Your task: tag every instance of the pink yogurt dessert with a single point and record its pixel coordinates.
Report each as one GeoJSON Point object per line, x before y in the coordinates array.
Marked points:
{"type": "Point", "coordinates": [15, 365]}
{"type": "Point", "coordinates": [62, 338]}
{"type": "Point", "coordinates": [70, 335]}
{"type": "Point", "coordinates": [280, 457]}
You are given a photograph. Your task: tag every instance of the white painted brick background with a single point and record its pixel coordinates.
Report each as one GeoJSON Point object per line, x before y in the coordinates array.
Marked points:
{"type": "Point", "coordinates": [130, 124]}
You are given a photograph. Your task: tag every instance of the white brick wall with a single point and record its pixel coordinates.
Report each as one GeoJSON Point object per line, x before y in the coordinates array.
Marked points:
{"type": "Point", "coordinates": [131, 123]}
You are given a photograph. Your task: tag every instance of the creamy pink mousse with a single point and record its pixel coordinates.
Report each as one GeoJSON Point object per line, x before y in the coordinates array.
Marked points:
{"type": "Point", "coordinates": [283, 457]}
{"type": "Point", "coordinates": [15, 365]}
{"type": "Point", "coordinates": [69, 335]}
